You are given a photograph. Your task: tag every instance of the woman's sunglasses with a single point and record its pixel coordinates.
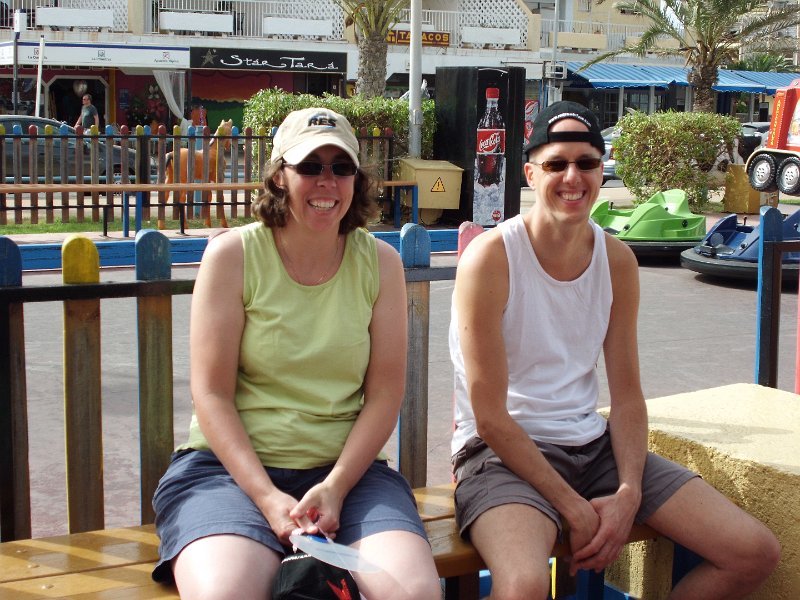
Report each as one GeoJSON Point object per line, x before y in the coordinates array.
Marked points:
{"type": "Point", "coordinates": [557, 165]}
{"type": "Point", "coordinates": [310, 168]}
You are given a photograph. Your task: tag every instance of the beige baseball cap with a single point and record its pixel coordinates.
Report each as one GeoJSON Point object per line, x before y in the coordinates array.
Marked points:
{"type": "Point", "coordinates": [303, 131]}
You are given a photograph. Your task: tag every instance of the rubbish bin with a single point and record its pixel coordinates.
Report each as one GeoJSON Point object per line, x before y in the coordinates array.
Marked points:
{"type": "Point", "coordinates": [438, 185]}
{"type": "Point", "coordinates": [740, 197]}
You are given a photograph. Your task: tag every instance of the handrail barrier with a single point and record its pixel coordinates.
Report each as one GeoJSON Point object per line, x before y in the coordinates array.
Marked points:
{"type": "Point", "coordinates": [89, 158]}
{"type": "Point", "coordinates": [82, 294]}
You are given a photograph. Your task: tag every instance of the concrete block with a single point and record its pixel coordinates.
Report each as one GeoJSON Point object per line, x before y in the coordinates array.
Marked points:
{"type": "Point", "coordinates": [744, 439]}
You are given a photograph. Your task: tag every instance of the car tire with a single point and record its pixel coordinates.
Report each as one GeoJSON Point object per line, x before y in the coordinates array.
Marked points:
{"type": "Point", "coordinates": [789, 176]}
{"type": "Point", "coordinates": [761, 172]}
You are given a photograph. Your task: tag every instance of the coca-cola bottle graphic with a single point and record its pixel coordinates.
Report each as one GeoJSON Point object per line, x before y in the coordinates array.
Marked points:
{"type": "Point", "coordinates": [491, 146]}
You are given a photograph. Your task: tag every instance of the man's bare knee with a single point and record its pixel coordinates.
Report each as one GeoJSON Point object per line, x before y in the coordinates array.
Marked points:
{"type": "Point", "coordinates": [528, 584]}
{"type": "Point", "coordinates": [754, 562]}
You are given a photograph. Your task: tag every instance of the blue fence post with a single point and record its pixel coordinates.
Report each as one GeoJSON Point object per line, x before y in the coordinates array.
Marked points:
{"type": "Point", "coordinates": [768, 298]}
{"type": "Point", "coordinates": [154, 330]}
{"type": "Point", "coordinates": [15, 505]}
{"type": "Point", "coordinates": [415, 245]}
{"type": "Point", "coordinates": [126, 215]}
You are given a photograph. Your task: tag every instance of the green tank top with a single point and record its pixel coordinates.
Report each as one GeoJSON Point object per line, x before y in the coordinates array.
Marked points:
{"type": "Point", "coordinates": [304, 353]}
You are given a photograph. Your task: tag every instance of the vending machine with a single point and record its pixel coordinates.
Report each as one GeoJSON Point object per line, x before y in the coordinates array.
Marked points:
{"type": "Point", "coordinates": [479, 127]}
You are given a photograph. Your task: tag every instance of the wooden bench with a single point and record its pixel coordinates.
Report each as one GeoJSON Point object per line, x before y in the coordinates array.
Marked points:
{"type": "Point", "coordinates": [116, 563]}
{"type": "Point", "coordinates": [93, 562]}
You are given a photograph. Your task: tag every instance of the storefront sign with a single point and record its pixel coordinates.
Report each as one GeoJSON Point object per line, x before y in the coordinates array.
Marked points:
{"type": "Point", "coordinates": [96, 55]}
{"type": "Point", "coordinates": [429, 38]}
{"type": "Point", "coordinates": [268, 60]}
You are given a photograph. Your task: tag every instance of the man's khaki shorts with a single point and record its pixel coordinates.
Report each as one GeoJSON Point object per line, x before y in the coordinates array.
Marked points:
{"type": "Point", "coordinates": [484, 482]}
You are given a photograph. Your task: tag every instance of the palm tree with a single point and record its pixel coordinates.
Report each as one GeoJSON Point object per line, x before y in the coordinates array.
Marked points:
{"type": "Point", "coordinates": [372, 19]}
{"type": "Point", "coordinates": [709, 33]}
{"type": "Point", "coordinates": [766, 62]}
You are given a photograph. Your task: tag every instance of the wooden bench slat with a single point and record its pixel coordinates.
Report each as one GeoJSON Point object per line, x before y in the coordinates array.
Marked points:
{"type": "Point", "coordinates": [115, 582]}
{"type": "Point", "coordinates": [435, 502]}
{"type": "Point", "coordinates": [77, 553]}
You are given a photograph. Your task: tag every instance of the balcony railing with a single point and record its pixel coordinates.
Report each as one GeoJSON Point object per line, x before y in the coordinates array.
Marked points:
{"type": "Point", "coordinates": [288, 19]}
{"type": "Point", "coordinates": [321, 20]}
{"type": "Point", "coordinates": [615, 34]}
{"type": "Point", "coordinates": [78, 14]}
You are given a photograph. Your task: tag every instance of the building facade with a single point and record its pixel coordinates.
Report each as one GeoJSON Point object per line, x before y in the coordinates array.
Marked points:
{"type": "Point", "coordinates": [155, 61]}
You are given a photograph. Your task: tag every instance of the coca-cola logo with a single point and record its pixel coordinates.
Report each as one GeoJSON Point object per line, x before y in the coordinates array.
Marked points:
{"type": "Point", "coordinates": [491, 141]}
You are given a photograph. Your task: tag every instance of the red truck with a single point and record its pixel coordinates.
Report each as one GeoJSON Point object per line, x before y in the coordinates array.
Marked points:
{"type": "Point", "coordinates": [776, 165]}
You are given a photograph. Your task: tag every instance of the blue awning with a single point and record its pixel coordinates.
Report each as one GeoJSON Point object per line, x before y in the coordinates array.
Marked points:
{"type": "Point", "coordinates": [676, 75]}
{"type": "Point", "coordinates": [770, 81]}
{"type": "Point", "coordinates": [613, 75]}
{"type": "Point", "coordinates": [729, 81]}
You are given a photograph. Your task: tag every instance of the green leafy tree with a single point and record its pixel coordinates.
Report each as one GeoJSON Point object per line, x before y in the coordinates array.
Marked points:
{"type": "Point", "coordinates": [708, 33]}
{"type": "Point", "coordinates": [768, 62]}
{"type": "Point", "coordinates": [674, 150]}
{"type": "Point", "coordinates": [372, 20]}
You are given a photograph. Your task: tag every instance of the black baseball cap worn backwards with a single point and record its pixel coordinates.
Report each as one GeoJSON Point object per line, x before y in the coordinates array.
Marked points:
{"type": "Point", "coordinates": [554, 113]}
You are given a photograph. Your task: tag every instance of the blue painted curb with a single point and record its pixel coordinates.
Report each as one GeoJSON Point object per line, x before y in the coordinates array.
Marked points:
{"type": "Point", "coordinates": [189, 250]}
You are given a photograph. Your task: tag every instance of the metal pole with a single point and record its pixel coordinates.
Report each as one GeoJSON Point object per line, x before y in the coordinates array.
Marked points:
{"type": "Point", "coordinates": [39, 75]}
{"type": "Point", "coordinates": [415, 82]}
{"type": "Point", "coordinates": [554, 96]}
{"type": "Point", "coordinates": [17, 29]}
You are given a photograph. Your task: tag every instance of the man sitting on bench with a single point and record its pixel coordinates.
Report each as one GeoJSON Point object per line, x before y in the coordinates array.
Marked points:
{"type": "Point", "coordinates": [535, 301]}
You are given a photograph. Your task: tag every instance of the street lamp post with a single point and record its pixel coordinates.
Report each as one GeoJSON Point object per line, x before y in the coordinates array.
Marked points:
{"type": "Point", "coordinates": [415, 81]}
{"type": "Point", "coordinates": [17, 30]}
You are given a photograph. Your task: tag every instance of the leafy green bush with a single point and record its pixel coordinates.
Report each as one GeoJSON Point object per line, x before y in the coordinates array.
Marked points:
{"type": "Point", "coordinates": [662, 151]}
{"type": "Point", "coordinates": [267, 108]}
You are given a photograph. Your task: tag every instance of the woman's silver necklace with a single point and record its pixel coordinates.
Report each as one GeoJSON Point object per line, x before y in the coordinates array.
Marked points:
{"type": "Point", "coordinates": [293, 271]}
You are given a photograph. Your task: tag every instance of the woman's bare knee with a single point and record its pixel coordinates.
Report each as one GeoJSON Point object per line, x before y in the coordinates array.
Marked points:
{"type": "Point", "coordinates": [224, 567]}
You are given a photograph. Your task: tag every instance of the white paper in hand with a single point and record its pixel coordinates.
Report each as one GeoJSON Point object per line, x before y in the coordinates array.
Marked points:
{"type": "Point", "coordinates": [328, 551]}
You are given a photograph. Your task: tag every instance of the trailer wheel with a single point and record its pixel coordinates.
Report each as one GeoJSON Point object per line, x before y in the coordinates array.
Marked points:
{"type": "Point", "coordinates": [789, 176]}
{"type": "Point", "coordinates": [761, 172]}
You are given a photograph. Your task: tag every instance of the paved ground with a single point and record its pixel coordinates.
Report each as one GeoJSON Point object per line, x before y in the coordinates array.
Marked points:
{"type": "Point", "coordinates": [694, 332]}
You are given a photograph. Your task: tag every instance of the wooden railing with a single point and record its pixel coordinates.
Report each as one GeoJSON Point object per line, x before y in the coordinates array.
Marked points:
{"type": "Point", "coordinates": [82, 294]}
{"type": "Point", "coordinates": [140, 157]}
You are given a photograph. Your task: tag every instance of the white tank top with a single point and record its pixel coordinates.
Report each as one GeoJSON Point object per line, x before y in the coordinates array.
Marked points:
{"type": "Point", "coordinates": [554, 332]}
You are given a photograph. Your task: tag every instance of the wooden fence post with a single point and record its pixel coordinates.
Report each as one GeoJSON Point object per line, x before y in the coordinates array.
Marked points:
{"type": "Point", "coordinates": [63, 172]}
{"type": "Point", "coordinates": [768, 298]}
{"type": "Point", "coordinates": [415, 250]}
{"type": "Point", "coordinates": [82, 390]}
{"type": "Point", "coordinates": [154, 326]}
{"type": "Point", "coordinates": [15, 504]}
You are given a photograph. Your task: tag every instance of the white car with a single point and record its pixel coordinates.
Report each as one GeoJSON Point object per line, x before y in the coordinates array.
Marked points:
{"type": "Point", "coordinates": [609, 164]}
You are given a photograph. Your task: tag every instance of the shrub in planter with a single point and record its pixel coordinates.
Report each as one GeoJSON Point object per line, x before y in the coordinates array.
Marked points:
{"type": "Point", "coordinates": [662, 151]}
{"type": "Point", "coordinates": [268, 107]}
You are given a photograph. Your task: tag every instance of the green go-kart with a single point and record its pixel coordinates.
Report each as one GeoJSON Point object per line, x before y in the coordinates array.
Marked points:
{"type": "Point", "coordinates": [663, 225]}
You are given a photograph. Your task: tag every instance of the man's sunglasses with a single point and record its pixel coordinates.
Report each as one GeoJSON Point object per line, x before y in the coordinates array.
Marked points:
{"type": "Point", "coordinates": [557, 165]}
{"type": "Point", "coordinates": [310, 168]}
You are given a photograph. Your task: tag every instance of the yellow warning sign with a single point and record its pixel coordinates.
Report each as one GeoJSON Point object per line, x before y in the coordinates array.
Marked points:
{"type": "Point", "coordinates": [438, 186]}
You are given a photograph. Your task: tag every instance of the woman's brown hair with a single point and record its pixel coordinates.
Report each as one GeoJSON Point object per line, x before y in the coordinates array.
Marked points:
{"type": "Point", "coordinates": [271, 207]}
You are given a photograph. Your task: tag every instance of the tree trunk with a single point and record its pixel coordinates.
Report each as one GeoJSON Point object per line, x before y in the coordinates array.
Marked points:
{"type": "Point", "coordinates": [702, 78]}
{"type": "Point", "coordinates": [371, 81]}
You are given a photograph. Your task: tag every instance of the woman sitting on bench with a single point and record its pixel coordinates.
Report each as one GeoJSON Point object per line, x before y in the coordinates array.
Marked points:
{"type": "Point", "coordinates": [298, 345]}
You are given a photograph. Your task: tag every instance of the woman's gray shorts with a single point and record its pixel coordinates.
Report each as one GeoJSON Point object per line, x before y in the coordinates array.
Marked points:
{"type": "Point", "coordinates": [484, 482]}
{"type": "Point", "coordinates": [197, 497]}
